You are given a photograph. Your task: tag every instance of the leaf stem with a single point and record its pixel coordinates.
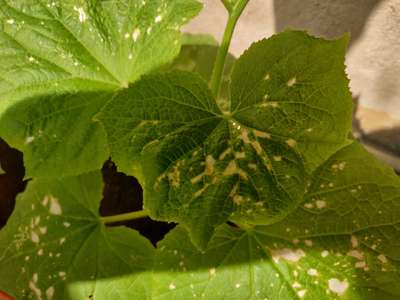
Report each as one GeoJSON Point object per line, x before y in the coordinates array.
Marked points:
{"type": "Point", "coordinates": [234, 14]}
{"type": "Point", "coordinates": [125, 217]}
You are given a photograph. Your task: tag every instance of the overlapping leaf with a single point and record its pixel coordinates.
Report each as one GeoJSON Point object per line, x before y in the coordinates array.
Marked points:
{"type": "Point", "coordinates": [55, 247]}
{"type": "Point", "coordinates": [202, 167]}
{"type": "Point", "coordinates": [341, 244]}
{"type": "Point", "coordinates": [54, 47]}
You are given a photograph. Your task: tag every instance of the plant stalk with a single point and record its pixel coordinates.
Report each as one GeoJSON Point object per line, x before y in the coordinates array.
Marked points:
{"type": "Point", "coordinates": [234, 15]}
{"type": "Point", "coordinates": [125, 217]}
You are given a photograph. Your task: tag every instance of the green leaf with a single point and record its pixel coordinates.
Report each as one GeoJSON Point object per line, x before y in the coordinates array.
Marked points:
{"type": "Point", "coordinates": [201, 167]}
{"type": "Point", "coordinates": [342, 242]}
{"type": "Point", "coordinates": [55, 247]}
{"type": "Point", "coordinates": [69, 46]}
{"type": "Point", "coordinates": [253, 265]}
{"type": "Point", "coordinates": [57, 133]}
{"type": "Point", "coordinates": [294, 85]}
{"type": "Point", "coordinates": [350, 192]}
{"type": "Point", "coordinates": [108, 43]}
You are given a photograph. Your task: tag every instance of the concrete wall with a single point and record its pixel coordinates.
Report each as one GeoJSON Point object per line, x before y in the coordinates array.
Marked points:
{"type": "Point", "coordinates": [374, 53]}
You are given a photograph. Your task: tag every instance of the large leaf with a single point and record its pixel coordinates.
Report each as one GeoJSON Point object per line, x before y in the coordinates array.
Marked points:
{"type": "Point", "coordinates": [202, 167]}
{"type": "Point", "coordinates": [69, 46]}
{"type": "Point", "coordinates": [294, 86]}
{"type": "Point", "coordinates": [343, 243]}
{"type": "Point", "coordinates": [247, 264]}
{"type": "Point", "coordinates": [55, 247]}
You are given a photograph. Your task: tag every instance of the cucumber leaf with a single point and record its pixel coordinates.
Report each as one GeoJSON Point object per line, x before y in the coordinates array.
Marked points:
{"type": "Point", "coordinates": [59, 47]}
{"type": "Point", "coordinates": [201, 167]}
{"type": "Point", "coordinates": [342, 243]}
{"type": "Point", "coordinates": [55, 247]}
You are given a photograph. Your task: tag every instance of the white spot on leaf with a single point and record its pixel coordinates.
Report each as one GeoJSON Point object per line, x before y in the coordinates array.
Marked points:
{"type": "Point", "coordinates": [287, 254]}
{"type": "Point", "coordinates": [291, 82]}
{"type": "Point", "coordinates": [337, 286]}
{"type": "Point", "coordinates": [136, 34]}
{"type": "Point", "coordinates": [55, 207]}
{"type": "Point", "coordinates": [81, 13]}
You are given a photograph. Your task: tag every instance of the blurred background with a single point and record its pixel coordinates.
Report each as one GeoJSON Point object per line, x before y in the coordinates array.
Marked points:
{"type": "Point", "coordinates": [373, 58]}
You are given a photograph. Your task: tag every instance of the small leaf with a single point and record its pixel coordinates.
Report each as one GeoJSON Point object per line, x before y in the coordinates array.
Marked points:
{"type": "Point", "coordinates": [55, 247]}
{"type": "Point", "coordinates": [57, 134]}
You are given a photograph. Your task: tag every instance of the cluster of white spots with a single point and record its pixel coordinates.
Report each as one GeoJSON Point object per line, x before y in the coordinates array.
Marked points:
{"type": "Point", "coordinates": [312, 272]}
{"type": "Point", "coordinates": [174, 176]}
{"type": "Point", "coordinates": [43, 230]}
{"type": "Point", "coordinates": [29, 140]}
{"type": "Point", "coordinates": [337, 286]}
{"type": "Point", "coordinates": [172, 286]}
{"type": "Point", "coordinates": [238, 199]}
{"type": "Point", "coordinates": [308, 243]}
{"type": "Point", "coordinates": [325, 253]}
{"type": "Point", "coordinates": [296, 285]}
{"type": "Point", "coordinates": [354, 241]}
{"type": "Point", "coordinates": [320, 204]}
{"type": "Point", "coordinates": [261, 134]}
{"type": "Point", "coordinates": [240, 155]}
{"type": "Point", "coordinates": [287, 254]}
{"type": "Point", "coordinates": [33, 286]}
{"type": "Point", "coordinates": [66, 224]}
{"type": "Point", "coordinates": [301, 293]}
{"type": "Point", "coordinates": [55, 207]}
{"type": "Point", "coordinates": [356, 254]}
{"type": "Point", "coordinates": [50, 293]}
{"type": "Point", "coordinates": [10, 21]}
{"type": "Point", "coordinates": [291, 82]}
{"type": "Point", "coordinates": [81, 13]}
{"type": "Point", "coordinates": [135, 34]}
{"type": "Point", "coordinates": [35, 237]}
{"type": "Point", "coordinates": [158, 19]}
{"type": "Point", "coordinates": [225, 153]}
{"type": "Point", "coordinates": [62, 275]}
{"type": "Point", "coordinates": [339, 166]}
{"type": "Point", "coordinates": [252, 166]}
{"type": "Point", "coordinates": [233, 169]}
{"type": "Point", "coordinates": [382, 258]}
{"type": "Point", "coordinates": [269, 104]}
{"type": "Point", "coordinates": [291, 142]}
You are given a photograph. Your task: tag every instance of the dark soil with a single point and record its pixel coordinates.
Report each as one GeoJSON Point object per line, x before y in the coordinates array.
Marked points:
{"type": "Point", "coordinates": [11, 183]}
